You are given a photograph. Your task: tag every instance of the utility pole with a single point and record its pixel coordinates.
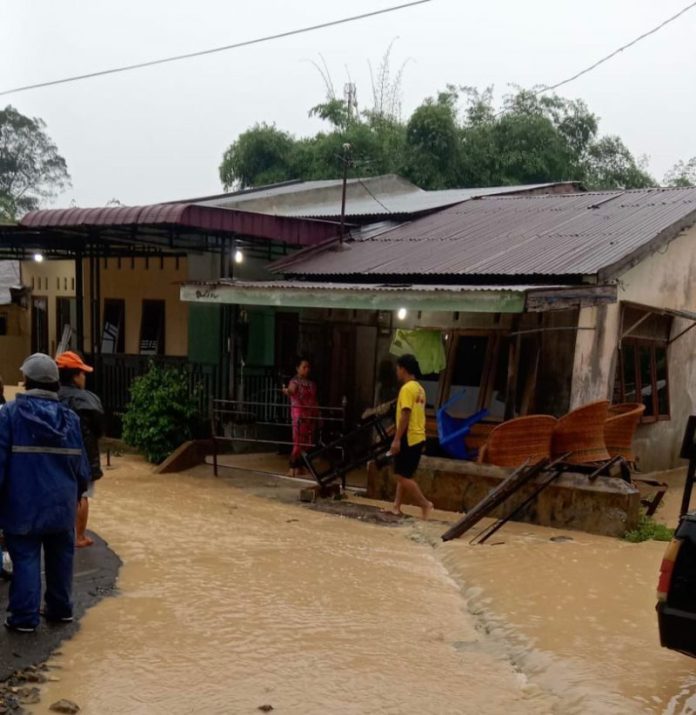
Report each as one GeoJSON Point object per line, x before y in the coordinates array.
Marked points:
{"type": "Point", "coordinates": [346, 162]}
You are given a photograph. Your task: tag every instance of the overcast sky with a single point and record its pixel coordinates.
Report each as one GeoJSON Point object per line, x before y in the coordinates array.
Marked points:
{"type": "Point", "coordinates": [159, 133]}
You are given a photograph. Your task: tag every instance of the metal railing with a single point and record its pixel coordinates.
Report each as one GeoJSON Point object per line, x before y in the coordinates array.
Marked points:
{"type": "Point", "coordinates": [267, 420]}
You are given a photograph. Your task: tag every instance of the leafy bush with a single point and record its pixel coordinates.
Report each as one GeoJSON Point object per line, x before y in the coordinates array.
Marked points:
{"type": "Point", "coordinates": [649, 529]}
{"type": "Point", "coordinates": [162, 412]}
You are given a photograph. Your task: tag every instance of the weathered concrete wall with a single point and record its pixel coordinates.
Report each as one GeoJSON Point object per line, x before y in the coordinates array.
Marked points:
{"type": "Point", "coordinates": [595, 354]}
{"type": "Point", "coordinates": [607, 506]}
{"type": "Point", "coordinates": [667, 279]}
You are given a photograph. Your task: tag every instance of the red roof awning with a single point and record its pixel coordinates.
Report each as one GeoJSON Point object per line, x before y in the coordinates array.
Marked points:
{"type": "Point", "coordinates": [189, 217]}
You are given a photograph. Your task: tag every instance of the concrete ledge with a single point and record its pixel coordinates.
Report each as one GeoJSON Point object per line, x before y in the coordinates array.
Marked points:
{"type": "Point", "coordinates": [185, 456]}
{"type": "Point", "coordinates": [607, 506]}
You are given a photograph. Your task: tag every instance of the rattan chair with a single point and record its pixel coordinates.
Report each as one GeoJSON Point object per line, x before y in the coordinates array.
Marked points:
{"type": "Point", "coordinates": [580, 434]}
{"type": "Point", "coordinates": [525, 439]}
{"type": "Point", "coordinates": [620, 428]}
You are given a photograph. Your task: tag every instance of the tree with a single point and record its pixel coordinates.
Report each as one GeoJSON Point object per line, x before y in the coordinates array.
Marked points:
{"type": "Point", "coordinates": [31, 169]}
{"type": "Point", "coordinates": [610, 165]}
{"type": "Point", "coordinates": [682, 174]}
{"type": "Point", "coordinates": [261, 155]}
{"type": "Point", "coordinates": [432, 147]}
{"type": "Point", "coordinates": [457, 138]}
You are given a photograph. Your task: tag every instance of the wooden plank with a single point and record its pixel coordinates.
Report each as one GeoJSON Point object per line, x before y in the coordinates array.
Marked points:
{"type": "Point", "coordinates": [521, 476]}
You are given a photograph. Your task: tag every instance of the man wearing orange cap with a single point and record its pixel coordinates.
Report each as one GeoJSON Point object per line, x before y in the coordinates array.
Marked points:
{"type": "Point", "coordinates": [88, 407]}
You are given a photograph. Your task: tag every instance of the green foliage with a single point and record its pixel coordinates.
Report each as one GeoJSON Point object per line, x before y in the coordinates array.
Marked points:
{"type": "Point", "coordinates": [455, 139]}
{"type": "Point", "coordinates": [432, 148]}
{"type": "Point", "coordinates": [162, 412]}
{"type": "Point", "coordinates": [648, 529]}
{"type": "Point", "coordinates": [261, 155]}
{"type": "Point", "coordinates": [31, 169]}
{"type": "Point", "coordinates": [682, 174]}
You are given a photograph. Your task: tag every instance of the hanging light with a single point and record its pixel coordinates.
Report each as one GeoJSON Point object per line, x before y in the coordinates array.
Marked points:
{"type": "Point", "coordinates": [402, 313]}
{"type": "Point", "coordinates": [38, 257]}
{"type": "Point", "coordinates": [238, 256]}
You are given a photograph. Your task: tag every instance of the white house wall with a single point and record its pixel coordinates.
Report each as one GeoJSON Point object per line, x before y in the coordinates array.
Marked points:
{"type": "Point", "coordinates": [667, 279]}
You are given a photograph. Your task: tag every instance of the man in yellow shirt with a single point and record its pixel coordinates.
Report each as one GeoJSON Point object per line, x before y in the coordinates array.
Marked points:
{"type": "Point", "coordinates": [409, 439]}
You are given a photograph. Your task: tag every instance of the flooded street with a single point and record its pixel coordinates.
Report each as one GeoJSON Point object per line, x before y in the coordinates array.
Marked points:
{"type": "Point", "coordinates": [229, 602]}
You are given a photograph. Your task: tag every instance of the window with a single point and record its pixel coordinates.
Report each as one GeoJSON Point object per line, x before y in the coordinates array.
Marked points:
{"type": "Point", "coordinates": [152, 328]}
{"type": "Point", "coordinates": [66, 320]}
{"type": "Point", "coordinates": [642, 369]}
{"type": "Point", "coordinates": [642, 376]}
{"type": "Point", "coordinates": [467, 372]}
{"type": "Point", "coordinates": [39, 325]}
{"type": "Point", "coordinates": [113, 335]}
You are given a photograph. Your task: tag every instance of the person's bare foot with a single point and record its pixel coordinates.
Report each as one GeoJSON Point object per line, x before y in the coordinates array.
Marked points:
{"type": "Point", "coordinates": [392, 512]}
{"type": "Point", "coordinates": [83, 542]}
{"type": "Point", "coordinates": [292, 473]}
{"type": "Point", "coordinates": [427, 511]}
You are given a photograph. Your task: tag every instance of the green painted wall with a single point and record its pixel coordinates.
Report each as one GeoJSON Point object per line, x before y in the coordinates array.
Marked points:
{"type": "Point", "coordinates": [205, 323]}
{"type": "Point", "coordinates": [261, 346]}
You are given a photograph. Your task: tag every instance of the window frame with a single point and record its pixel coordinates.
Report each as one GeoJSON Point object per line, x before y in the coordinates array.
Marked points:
{"type": "Point", "coordinates": [652, 345]}
{"type": "Point", "coordinates": [121, 339]}
{"type": "Point", "coordinates": [161, 344]}
{"type": "Point", "coordinates": [496, 343]}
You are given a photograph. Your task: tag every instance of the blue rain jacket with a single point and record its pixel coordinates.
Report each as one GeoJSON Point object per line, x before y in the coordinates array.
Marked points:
{"type": "Point", "coordinates": [43, 465]}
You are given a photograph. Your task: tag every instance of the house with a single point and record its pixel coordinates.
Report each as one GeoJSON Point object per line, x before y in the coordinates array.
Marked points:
{"type": "Point", "coordinates": [14, 323]}
{"type": "Point", "coordinates": [106, 280]}
{"type": "Point", "coordinates": [542, 303]}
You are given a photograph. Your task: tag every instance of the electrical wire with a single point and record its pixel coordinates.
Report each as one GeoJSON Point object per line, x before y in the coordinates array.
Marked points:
{"type": "Point", "coordinates": [618, 51]}
{"type": "Point", "coordinates": [200, 53]}
{"type": "Point", "coordinates": [362, 183]}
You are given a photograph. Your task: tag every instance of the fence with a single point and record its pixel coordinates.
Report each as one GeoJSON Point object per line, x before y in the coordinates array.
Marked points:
{"type": "Point", "coordinates": [114, 375]}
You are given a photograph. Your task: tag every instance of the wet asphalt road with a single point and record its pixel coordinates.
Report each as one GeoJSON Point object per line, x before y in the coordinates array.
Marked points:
{"type": "Point", "coordinates": [96, 570]}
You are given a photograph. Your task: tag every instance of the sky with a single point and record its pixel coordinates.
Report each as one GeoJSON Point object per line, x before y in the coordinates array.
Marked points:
{"type": "Point", "coordinates": [159, 133]}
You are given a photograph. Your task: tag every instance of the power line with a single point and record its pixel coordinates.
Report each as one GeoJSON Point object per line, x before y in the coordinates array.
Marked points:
{"type": "Point", "coordinates": [362, 183]}
{"type": "Point", "coordinates": [613, 54]}
{"type": "Point", "coordinates": [200, 53]}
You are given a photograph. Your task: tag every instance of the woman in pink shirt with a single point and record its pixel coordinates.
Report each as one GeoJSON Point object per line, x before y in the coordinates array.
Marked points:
{"type": "Point", "coordinates": [304, 413]}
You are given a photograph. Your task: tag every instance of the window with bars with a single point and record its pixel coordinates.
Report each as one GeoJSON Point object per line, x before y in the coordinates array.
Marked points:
{"type": "Point", "coordinates": [642, 371]}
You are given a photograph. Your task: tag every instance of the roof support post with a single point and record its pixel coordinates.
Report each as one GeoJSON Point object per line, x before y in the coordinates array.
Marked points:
{"type": "Point", "coordinates": [513, 367]}
{"type": "Point", "coordinates": [80, 300]}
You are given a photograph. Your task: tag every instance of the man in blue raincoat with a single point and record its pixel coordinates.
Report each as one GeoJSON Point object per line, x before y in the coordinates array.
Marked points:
{"type": "Point", "coordinates": [43, 472]}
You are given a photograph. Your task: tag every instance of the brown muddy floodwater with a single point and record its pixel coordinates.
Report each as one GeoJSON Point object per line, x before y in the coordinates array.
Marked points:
{"type": "Point", "coordinates": [229, 601]}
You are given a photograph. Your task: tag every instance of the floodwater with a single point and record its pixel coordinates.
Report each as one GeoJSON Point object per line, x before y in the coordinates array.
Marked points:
{"type": "Point", "coordinates": [230, 601]}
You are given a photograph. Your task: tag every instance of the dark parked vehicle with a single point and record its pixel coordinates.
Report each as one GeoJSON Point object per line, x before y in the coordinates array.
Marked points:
{"type": "Point", "coordinates": [676, 590]}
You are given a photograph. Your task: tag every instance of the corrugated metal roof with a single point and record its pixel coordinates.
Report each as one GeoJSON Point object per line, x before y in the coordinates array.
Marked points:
{"type": "Point", "coordinates": [552, 235]}
{"type": "Point", "coordinates": [198, 218]}
{"type": "Point", "coordinates": [372, 196]}
{"type": "Point", "coordinates": [282, 285]}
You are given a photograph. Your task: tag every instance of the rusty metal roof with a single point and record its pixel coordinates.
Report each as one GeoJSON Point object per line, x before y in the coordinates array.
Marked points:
{"type": "Point", "coordinates": [192, 217]}
{"type": "Point", "coordinates": [586, 234]}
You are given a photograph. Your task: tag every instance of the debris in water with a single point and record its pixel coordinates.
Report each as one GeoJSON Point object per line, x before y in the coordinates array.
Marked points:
{"type": "Point", "coordinates": [65, 706]}
{"type": "Point", "coordinates": [265, 708]}
{"type": "Point", "coordinates": [561, 539]}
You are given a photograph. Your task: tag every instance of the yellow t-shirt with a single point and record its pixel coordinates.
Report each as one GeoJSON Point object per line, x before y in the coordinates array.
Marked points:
{"type": "Point", "coordinates": [412, 397]}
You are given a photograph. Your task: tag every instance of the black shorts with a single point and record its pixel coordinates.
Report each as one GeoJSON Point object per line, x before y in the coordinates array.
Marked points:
{"type": "Point", "coordinates": [407, 460]}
